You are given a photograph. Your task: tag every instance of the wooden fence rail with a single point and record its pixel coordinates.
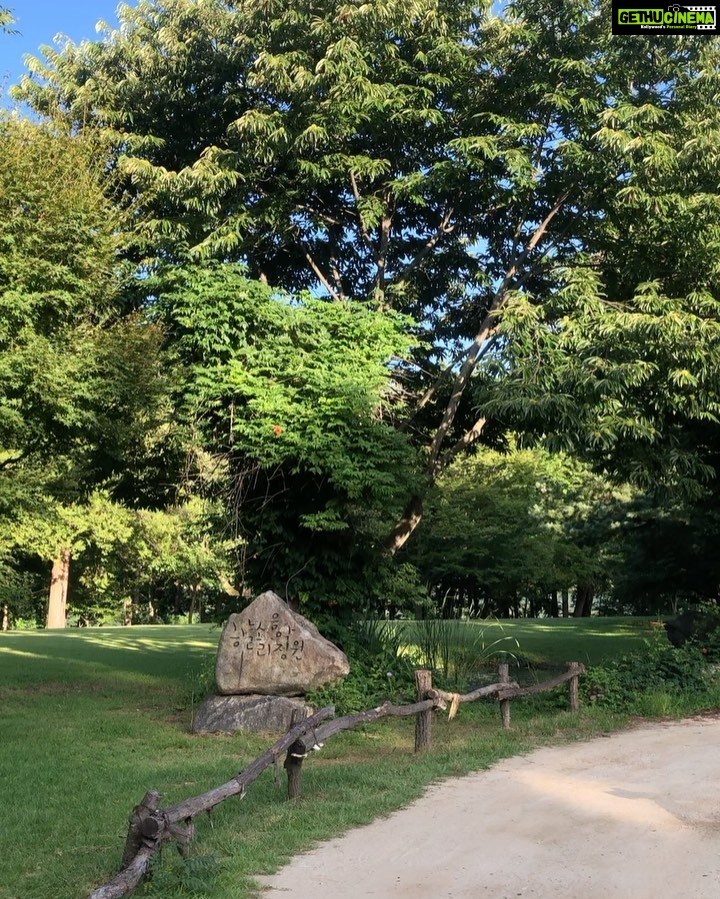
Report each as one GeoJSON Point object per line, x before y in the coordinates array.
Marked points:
{"type": "Point", "coordinates": [151, 825]}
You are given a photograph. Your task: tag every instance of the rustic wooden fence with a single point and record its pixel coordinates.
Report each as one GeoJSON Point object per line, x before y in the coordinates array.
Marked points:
{"type": "Point", "coordinates": [151, 825]}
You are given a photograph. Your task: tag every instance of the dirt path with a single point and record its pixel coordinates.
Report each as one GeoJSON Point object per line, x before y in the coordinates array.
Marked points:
{"type": "Point", "coordinates": [632, 816]}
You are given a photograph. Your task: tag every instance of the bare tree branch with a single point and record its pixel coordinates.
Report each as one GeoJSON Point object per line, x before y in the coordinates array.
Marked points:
{"type": "Point", "coordinates": [320, 276]}
{"type": "Point", "coordinates": [401, 533]}
{"type": "Point", "coordinates": [467, 439]}
{"type": "Point", "coordinates": [330, 219]}
{"type": "Point", "coordinates": [444, 228]}
{"type": "Point", "coordinates": [447, 372]}
{"type": "Point", "coordinates": [335, 234]}
{"type": "Point", "coordinates": [12, 460]}
{"type": "Point", "coordinates": [487, 328]}
{"type": "Point", "coordinates": [385, 228]}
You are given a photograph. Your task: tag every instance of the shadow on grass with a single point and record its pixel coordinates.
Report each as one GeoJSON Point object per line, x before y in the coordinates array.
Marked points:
{"type": "Point", "coordinates": [163, 652]}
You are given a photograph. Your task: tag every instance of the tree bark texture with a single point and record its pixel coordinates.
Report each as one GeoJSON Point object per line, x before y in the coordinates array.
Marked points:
{"type": "Point", "coordinates": [143, 812]}
{"type": "Point", "coordinates": [554, 605]}
{"type": "Point", "coordinates": [403, 530]}
{"type": "Point", "coordinates": [584, 595]}
{"type": "Point", "coordinates": [190, 808]}
{"type": "Point", "coordinates": [574, 685]}
{"type": "Point", "coordinates": [480, 693]}
{"type": "Point", "coordinates": [128, 878]}
{"type": "Point", "coordinates": [565, 604]}
{"type": "Point", "coordinates": [423, 722]}
{"type": "Point", "coordinates": [59, 582]}
{"type": "Point", "coordinates": [316, 738]}
{"type": "Point", "coordinates": [504, 678]}
{"type": "Point", "coordinates": [293, 762]}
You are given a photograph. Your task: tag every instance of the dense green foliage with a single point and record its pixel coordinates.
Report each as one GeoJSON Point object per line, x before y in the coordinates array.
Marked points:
{"type": "Point", "coordinates": [82, 393]}
{"type": "Point", "coordinates": [437, 159]}
{"type": "Point", "coordinates": [380, 669]}
{"type": "Point", "coordinates": [317, 256]}
{"type": "Point", "coordinates": [652, 680]}
{"type": "Point", "coordinates": [547, 525]}
{"type": "Point", "coordinates": [293, 423]}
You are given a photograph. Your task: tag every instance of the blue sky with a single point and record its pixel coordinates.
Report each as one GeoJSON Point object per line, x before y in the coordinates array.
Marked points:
{"type": "Point", "coordinates": [38, 21]}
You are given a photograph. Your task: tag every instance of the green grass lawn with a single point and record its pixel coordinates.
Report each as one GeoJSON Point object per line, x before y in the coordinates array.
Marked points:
{"type": "Point", "coordinates": [90, 719]}
{"type": "Point", "coordinates": [553, 642]}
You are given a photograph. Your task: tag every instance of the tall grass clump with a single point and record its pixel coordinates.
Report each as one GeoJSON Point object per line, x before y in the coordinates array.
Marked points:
{"type": "Point", "coordinates": [380, 669]}
{"type": "Point", "coordinates": [461, 651]}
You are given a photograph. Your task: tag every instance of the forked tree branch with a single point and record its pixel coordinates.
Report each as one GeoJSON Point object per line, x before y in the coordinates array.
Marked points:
{"type": "Point", "coordinates": [487, 328]}
{"type": "Point", "coordinates": [467, 440]}
{"type": "Point", "coordinates": [447, 373]}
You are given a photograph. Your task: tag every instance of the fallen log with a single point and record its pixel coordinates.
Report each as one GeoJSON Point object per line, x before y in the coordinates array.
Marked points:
{"type": "Point", "coordinates": [141, 815]}
{"type": "Point", "coordinates": [309, 742]}
{"type": "Point", "coordinates": [129, 878]}
{"type": "Point", "coordinates": [150, 827]}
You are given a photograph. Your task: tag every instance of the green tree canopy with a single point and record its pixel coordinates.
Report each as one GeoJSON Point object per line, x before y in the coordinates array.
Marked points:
{"type": "Point", "coordinates": [522, 184]}
{"type": "Point", "coordinates": [82, 391]}
{"type": "Point", "coordinates": [429, 156]}
{"type": "Point", "coordinates": [510, 531]}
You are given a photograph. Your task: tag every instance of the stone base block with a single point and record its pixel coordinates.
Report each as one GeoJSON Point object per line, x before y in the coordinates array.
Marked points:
{"type": "Point", "coordinates": [229, 714]}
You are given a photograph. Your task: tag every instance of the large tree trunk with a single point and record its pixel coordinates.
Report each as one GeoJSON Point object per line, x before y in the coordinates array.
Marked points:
{"type": "Point", "coordinates": [565, 604]}
{"type": "Point", "coordinates": [178, 602]}
{"type": "Point", "coordinates": [554, 605]}
{"type": "Point", "coordinates": [59, 581]}
{"type": "Point", "coordinates": [517, 272]}
{"type": "Point", "coordinates": [194, 591]}
{"type": "Point", "coordinates": [584, 595]}
{"type": "Point", "coordinates": [403, 530]}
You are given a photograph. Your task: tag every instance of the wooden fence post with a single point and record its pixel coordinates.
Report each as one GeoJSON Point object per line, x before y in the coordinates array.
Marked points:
{"type": "Point", "coordinates": [574, 686]}
{"type": "Point", "coordinates": [423, 720]}
{"type": "Point", "coordinates": [293, 760]}
{"type": "Point", "coordinates": [504, 678]}
{"type": "Point", "coordinates": [140, 825]}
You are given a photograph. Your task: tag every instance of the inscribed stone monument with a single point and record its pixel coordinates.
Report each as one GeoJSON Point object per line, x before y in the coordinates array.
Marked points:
{"type": "Point", "coordinates": [268, 658]}
{"type": "Point", "coordinates": [269, 649]}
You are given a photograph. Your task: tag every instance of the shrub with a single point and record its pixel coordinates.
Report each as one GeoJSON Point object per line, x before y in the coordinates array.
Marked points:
{"type": "Point", "coordinates": [659, 669]}
{"type": "Point", "coordinates": [379, 670]}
